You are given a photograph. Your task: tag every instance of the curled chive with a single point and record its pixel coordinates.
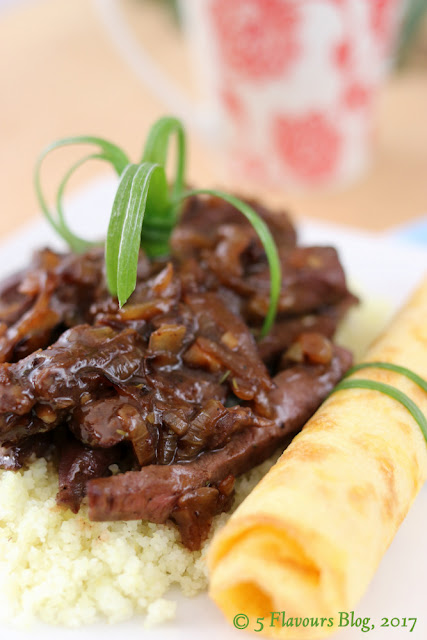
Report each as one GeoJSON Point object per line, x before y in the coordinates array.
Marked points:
{"type": "Point", "coordinates": [392, 392]}
{"type": "Point", "coordinates": [76, 243]}
{"type": "Point", "coordinates": [145, 209]}
{"type": "Point", "coordinates": [157, 146]}
{"type": "Point", "coordinates": [390, 367]}
{"type": "Point", "coordinates": [107, 151]}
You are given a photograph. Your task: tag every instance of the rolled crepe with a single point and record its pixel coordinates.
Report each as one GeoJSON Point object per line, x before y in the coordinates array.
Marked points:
{"type": "Point", "coordinates": [309, 537]}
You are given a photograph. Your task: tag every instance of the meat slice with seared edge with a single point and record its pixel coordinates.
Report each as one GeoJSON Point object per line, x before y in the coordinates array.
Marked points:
{"type": "Point", "coordinates": [157, 493]}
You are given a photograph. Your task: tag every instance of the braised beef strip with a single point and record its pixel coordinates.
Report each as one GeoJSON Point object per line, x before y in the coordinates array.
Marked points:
{"type": "Point", "coordinates": [158, 492]}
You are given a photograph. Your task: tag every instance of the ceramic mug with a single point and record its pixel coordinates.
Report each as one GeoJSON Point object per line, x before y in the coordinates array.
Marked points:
{"type": "Point", "coordinates": [289, 85]}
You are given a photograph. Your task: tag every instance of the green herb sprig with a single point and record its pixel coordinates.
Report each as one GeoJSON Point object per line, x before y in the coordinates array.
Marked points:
{"type": "Point", "coordinates": [146, 208]}
{"type": "Point", "coordinates": [387, 389]}
{"type": "Point", "coordinates": [107, 152]}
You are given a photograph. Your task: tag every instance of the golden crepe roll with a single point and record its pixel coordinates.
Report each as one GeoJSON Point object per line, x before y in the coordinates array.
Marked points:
{"type": "Point", "coordinates": [310, 536]}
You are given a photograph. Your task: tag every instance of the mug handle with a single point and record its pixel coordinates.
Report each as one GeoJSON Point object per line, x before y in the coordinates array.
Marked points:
{"type": "Point", "coordinates": [195, 117]}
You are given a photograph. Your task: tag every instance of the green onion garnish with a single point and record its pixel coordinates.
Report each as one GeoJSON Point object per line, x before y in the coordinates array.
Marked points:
{"type": "Point", "coordinates": [389, 390]}
{"type": "Point", "coordinates": [146, 209]}
{"type": "Point", "coordinates": [107, 152]}
{"type": "Point", "coordinates": [390, 367]}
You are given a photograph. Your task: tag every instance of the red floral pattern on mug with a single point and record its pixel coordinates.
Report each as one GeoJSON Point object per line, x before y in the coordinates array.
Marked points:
{"type": "Point", "coordinates": [233, 104]}
{"type": "Point", "coordinates": [251, 166]}
{"type": "Point", "coordinates": [342, 55]}
{"type": "Point", "coordinates": [358, 96]}
{"type": "Point", "coordinates": [257, 38]}
{"type": "Point", "coordinates": [309, 145]}
{"type": "Point", "coordinates": [382, 19]}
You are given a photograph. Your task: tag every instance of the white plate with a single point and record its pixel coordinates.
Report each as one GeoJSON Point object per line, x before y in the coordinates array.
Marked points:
{"type": "Point", "coordinates": [382, 268]}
